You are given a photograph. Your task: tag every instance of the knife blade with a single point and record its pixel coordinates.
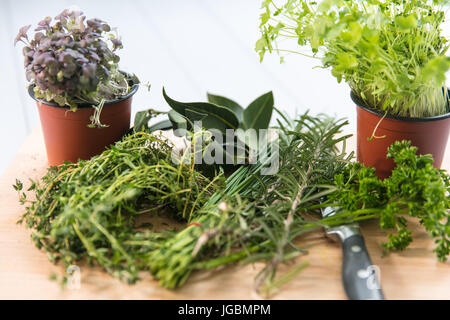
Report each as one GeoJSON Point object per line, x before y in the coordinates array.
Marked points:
{"type": "Point", "coordinates": [359, 276]}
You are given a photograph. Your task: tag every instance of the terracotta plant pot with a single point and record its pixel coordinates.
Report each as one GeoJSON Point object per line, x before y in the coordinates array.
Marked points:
{"type": "Point", "coordinates": [67, 135]}
{"type": "Point", "coordinates": [430, 135]}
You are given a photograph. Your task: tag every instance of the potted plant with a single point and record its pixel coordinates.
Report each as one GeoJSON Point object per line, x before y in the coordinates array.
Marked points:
{"type": "Point", "coordinates": [84, 100]}
{"type": "Point", "coordinates": [392, 55]}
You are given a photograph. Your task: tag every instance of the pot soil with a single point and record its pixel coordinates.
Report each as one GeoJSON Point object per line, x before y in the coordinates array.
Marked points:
{"type": "Point", "coordinates": [67, 135]}
{"type": "Point", "coordinates": [430, 135]}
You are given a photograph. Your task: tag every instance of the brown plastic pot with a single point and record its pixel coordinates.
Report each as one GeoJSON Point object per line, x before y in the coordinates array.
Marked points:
{"type": "Point", "coordinates": [430, 135]}
{"type": "Point", "coordinates": [67, 135]}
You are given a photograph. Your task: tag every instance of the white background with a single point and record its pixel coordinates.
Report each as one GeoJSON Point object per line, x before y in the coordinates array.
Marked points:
{"type": "Point", "coordinates": [188, 46]}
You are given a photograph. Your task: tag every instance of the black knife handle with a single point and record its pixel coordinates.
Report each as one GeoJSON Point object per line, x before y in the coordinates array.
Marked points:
{"type": "Point", "coordinates": [361, 281]}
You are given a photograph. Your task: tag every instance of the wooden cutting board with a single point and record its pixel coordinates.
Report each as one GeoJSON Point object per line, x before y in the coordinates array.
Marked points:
{"type": "Point", "coordinates": [25, 271]}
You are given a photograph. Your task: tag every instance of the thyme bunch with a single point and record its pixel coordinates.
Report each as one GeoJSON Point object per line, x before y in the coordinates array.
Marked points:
{"type": "Point", "coordinates": [91, 210]}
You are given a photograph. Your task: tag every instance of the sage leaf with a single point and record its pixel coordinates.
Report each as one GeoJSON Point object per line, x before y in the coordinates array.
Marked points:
{"type": "Point", "coordinates": [162, 125]}
{"type": "Point", "coordinates": [141, 120]}
{"type": "Point", "coordinates": [193, 115]}
{"type": "Point", "coordinates": [257, 115]}
{"type": "Point", "coordinates": [227, 103]}
{"type": "Point", "coordinates": [179, 123]}
{"type": "Point", "coordinates": [217, 117]}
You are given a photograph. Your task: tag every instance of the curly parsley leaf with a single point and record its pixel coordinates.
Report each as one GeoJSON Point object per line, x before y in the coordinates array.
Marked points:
{"type": "Point", "coordinates": [415, 189]}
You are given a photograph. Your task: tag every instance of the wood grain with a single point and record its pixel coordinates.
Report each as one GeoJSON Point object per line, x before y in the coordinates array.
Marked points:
{"type": "Point", "coordinates": [25, 271]}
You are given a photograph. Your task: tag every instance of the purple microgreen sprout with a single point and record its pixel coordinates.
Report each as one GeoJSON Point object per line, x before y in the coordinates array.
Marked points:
{"type": "Point", "coordinates": [72, 60]}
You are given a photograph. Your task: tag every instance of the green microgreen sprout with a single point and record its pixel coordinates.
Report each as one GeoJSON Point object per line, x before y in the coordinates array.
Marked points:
{"type": "Point", "coordinates": [391, 53]}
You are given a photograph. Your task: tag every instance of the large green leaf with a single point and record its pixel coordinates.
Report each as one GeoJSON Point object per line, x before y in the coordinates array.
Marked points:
{"type": "Point", "coordinates": [257, 115]}
{"type": "Point", "coordinates": [162, 125]}
{"type": "Point", "coordinates": [179, 123]}
{"type": "Point", "coordinates": [193, 115]}
{"type": "Point", "coordinates": [227, 103]}
{"type": "Point", "coordinates": [141, 120]}
{"type": "Point", "coordinates": [217, 117]}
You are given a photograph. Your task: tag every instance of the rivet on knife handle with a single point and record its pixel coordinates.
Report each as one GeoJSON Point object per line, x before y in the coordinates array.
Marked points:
{"type": "Point", "coordinates": [359, 275]}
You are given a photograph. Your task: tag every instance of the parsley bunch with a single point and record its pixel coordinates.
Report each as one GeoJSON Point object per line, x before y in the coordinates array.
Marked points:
{"type": "Point", "coordinates": [415, 189]}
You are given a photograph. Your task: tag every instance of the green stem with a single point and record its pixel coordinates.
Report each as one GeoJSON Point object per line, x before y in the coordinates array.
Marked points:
{"type": "Point", "coordinates": [214, 263]}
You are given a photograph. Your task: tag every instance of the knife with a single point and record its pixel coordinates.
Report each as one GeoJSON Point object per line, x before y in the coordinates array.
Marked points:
{"type": "Point", "coordinates": [359, 275]}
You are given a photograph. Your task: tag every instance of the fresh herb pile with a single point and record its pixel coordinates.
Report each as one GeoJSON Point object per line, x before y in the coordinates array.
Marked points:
{"type": "Point", "coordinates": [257, 217]}
{"type": "Point", "coordinates": [90, 210]}
{"type": "Point", "coordinates": [391, 52]}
